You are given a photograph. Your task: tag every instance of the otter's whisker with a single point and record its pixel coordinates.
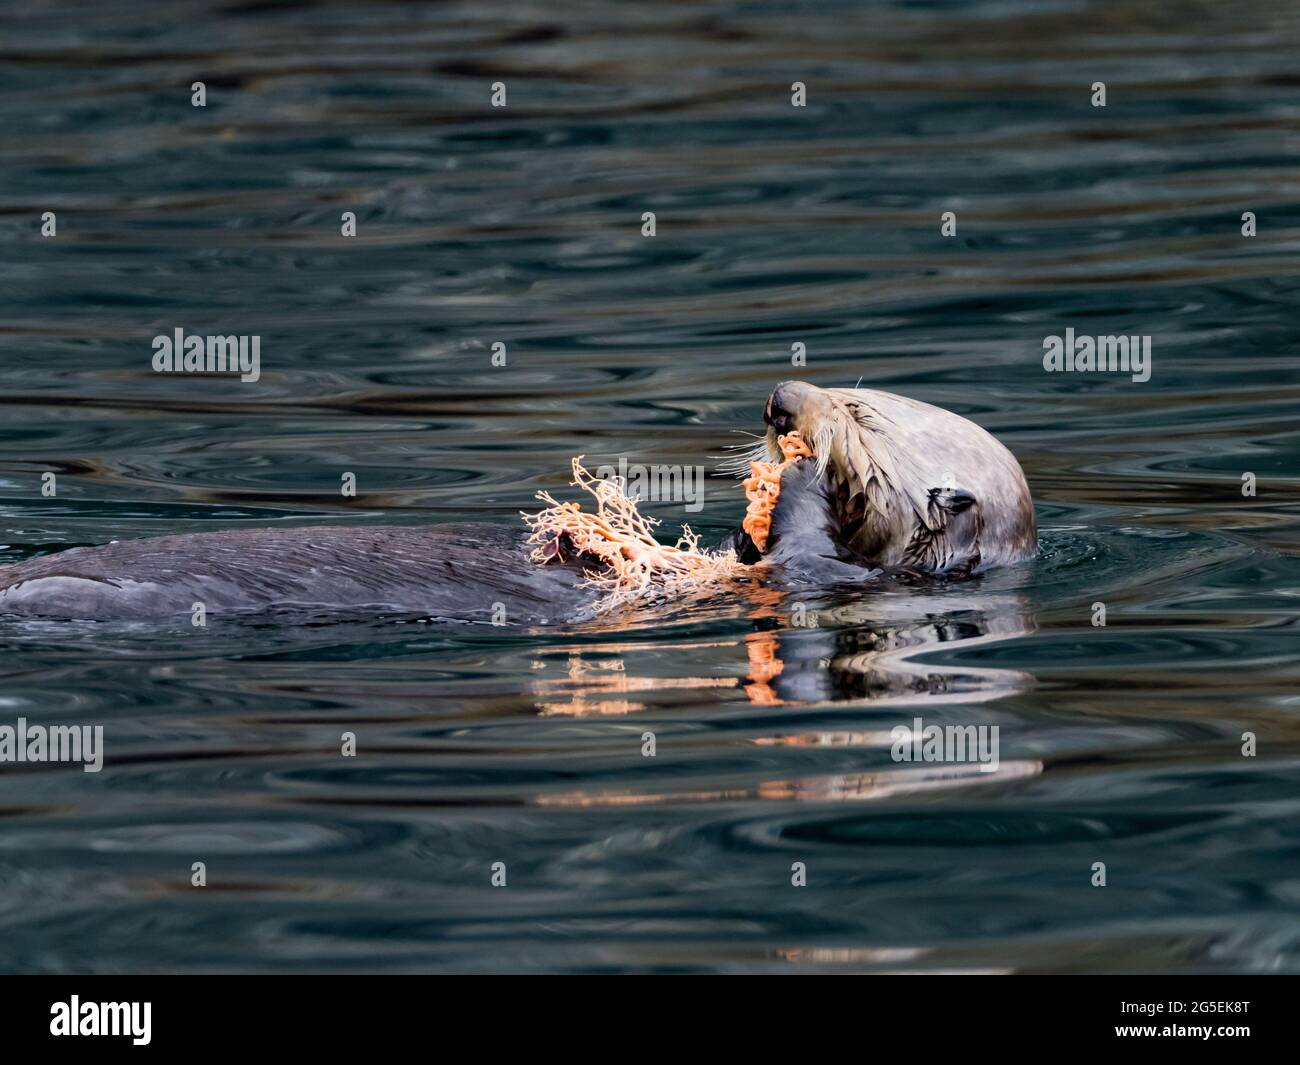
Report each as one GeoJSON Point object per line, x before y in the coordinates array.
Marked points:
{"type": "Point", "coordinates": [738, 465]}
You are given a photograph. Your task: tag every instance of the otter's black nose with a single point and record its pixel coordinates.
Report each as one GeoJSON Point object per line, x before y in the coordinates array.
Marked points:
{"type": "Point", "coordinates": [776, 415]}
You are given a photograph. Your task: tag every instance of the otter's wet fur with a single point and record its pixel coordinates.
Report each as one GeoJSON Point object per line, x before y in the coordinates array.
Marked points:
{"type": "Point", "coordinates": [895, 487]}
{"type": "Point", "coordinates": [451, 571]}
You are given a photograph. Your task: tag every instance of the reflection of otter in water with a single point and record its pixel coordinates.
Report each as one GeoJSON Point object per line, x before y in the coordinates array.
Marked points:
{"type": "Point", "coordinates": [866, 644]}
{"type": "Point", "coordinates": [895, 485]}
{"type": "Point", "coordinates": [875, 647]}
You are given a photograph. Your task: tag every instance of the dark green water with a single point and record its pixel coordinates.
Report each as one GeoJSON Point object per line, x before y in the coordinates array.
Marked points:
{"type": "Point", "coordinates": [775, 225]}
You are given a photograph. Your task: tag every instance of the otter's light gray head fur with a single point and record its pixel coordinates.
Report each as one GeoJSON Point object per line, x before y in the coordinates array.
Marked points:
{"type": "Point", "coordinates": [906, 478]}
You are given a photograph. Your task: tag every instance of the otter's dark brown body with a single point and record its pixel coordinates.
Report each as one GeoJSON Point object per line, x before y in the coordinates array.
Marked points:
{"type": "Point", "coordinates": [466, 572]}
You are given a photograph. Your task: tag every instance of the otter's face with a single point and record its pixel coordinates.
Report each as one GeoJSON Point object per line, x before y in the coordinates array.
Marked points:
{"type": "Point", "coordinates": [837, 427]}
{"type": "Point", "coordinates": [821, 415]}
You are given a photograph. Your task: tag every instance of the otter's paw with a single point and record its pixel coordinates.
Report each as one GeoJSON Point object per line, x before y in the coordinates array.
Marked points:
{"type": "Point", "coordinates": [949, 542]}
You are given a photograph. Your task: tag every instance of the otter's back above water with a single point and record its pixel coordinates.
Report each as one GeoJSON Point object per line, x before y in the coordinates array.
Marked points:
{"type": "Point", "coordinates": [461, 571]}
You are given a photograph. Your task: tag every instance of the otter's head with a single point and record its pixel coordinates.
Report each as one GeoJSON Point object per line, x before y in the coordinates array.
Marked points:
{"type": "Point", "coordinates": [827, 418]}
{"type": "Point", "coordinates": [906, 481]}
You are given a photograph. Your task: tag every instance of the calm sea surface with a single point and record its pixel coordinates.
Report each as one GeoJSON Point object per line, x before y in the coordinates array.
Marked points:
{"type": "Point", "coordinates": [776, 225]}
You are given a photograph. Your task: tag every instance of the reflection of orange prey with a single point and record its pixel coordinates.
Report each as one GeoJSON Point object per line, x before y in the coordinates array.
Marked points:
{"type": "Point", "coordinates": [610, 678]}
{"type": "Point", "coordinates": [764, 665]}
{"type": "Point", "coordinates": [762, 602]}
{"type": "Point", "coordinates": [763, 487]}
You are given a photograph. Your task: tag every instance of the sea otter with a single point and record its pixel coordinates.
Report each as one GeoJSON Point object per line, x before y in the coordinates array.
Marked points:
{"type": "Point", "coordinates": [895, 486]}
